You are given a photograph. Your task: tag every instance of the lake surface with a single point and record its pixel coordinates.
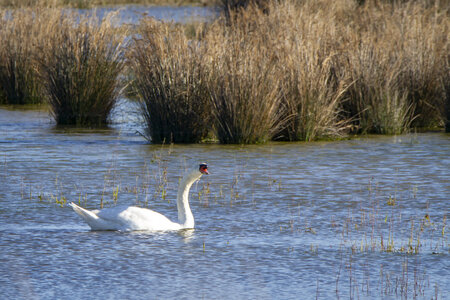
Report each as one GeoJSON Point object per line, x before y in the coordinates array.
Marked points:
{"type": "Point", "coordinates": [362, 218]}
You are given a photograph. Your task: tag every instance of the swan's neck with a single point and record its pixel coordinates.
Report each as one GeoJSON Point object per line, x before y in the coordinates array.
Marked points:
{"type": "Point", "coordinates": [185, 216]}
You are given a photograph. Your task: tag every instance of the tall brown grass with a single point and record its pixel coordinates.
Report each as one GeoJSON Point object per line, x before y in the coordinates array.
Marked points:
{"type": "Point", "coordinates": [18, 38]}
{"type": "Point", "coordinates": [245, 92]}
{"type": "Point", "coordinates": [81, 59]}
{"type": "Point", "coordinates": [381, 65]}
{"type": "Point", "coordinates": [309, 70]}
{"type": "Point", "coordinates": [313, 85]}
{"type": "Point", "coordinates": [396, 56]}
{"type": "Point", "coordinates": [285, 69]}
{"type": "Point", "coordinates": [170, 80]}
{"type": "Point", "coordinates": [274, 80]}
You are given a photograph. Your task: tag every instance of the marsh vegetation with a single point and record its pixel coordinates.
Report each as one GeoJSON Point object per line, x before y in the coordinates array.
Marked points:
{"type": "Point", "coordinates": [358, 218]}
{"type": "Point", "coordinates": [378, 67]}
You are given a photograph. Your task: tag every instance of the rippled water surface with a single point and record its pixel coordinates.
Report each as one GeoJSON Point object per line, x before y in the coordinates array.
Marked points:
{"type": "Point", "coordinates": [363, 218]}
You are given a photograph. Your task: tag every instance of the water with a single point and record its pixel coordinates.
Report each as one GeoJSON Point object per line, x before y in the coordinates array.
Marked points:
{"type": "Point", "coordinates": [131, 14]}
{"type": "Point", "coordinates": [277, 221]}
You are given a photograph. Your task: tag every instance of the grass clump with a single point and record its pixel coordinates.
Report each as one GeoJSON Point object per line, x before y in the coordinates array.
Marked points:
{"type": "Point", "coordinates": [396, 57]}
{"type": "Point", "coordinates": [313, 100]}
{"type": "Point", "coordinates": [18, 80]}
{"type": "Point", "coordinates": [79, 68]}
{"type": "Point", "coordinates": [245, 92]}
{"type": "Point", "coordinates": [312, 83]}
{"type": "Point", "coordinates": [275, 80]}
{"type": "Point", "coordinates": [170, 80]}
{"type": "Point", "coordinates": [376, 99]}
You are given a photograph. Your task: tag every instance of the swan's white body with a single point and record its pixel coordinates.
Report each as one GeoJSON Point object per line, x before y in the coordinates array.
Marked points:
{"type": "Point", "coordinates": [135, 218]}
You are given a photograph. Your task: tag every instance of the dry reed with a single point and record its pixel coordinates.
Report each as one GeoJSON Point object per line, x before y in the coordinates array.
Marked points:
{"type": "Point", "coordinates": [292, 70]}
{"type": "Point", "coordinates": [275, 80]}
{"type": "Point", "coordinates": [244, 88]}
{"type": "Point", "coordinates": [171, 83]}
{"type": "Point", "coordinates": [81, 60]}
{"type": "Point", "coordinates": [313, 85]}
{"type": "Point", "coordinates": [18, 80]}
{"type": "Point", "coordinates": [308, 70]}
{"type": "Point", "coordinates": [396, 56]}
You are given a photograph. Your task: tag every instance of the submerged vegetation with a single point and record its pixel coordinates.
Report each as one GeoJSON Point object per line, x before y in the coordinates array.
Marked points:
{"type": "Point", "coordinates": [265, 70]}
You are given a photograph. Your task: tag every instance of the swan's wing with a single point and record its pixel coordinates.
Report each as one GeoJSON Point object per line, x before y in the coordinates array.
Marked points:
{"type": "Point", "coordinates": [136, 218]}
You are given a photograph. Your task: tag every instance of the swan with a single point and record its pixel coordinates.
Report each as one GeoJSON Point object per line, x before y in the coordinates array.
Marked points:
{"type": "Point", "coordinates": [136, 218]}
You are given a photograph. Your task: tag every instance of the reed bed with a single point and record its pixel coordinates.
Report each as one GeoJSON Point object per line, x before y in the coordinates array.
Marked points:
{"type": "Point", "coordinates": [398, 63]}
{"type": "Point", "coordinates": [79, 68]}
{"type": "Point", "coordinates": [329, 69]}
{"type": "Point", "coordinates": [381, 66]}
{"type": "Point", "coordinates": [312, 84]}
{"type": "Point", "coordinates": [170, 80]}
{"type": "Point", "coordinates": [68, 60]}
{"type": "Point", "coordinates": [264, 70]}
{"type": "Point", "coordinates": [245, 93]}
{"type": "Point", "coordinates": [18, 80]}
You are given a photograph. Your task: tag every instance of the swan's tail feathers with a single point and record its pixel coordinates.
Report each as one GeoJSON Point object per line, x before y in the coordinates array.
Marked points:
{"type": "Point", "coordinates": [87, 215]}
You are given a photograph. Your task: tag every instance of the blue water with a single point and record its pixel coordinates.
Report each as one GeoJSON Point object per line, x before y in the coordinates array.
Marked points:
{"type": "Point", "coordinates": [276, 221]}
{"type": "Point", "coordinates": [131, 14]}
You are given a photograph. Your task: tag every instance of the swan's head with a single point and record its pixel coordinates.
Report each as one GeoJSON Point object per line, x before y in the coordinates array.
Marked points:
{"type": "Point", "coordinates": [203, 169]}
{"type": "Point", "coordinates": [195, 174]}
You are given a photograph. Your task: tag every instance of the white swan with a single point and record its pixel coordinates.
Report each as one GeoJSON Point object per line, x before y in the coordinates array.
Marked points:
{"type": "Point", "coordinates": [136, 218]}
